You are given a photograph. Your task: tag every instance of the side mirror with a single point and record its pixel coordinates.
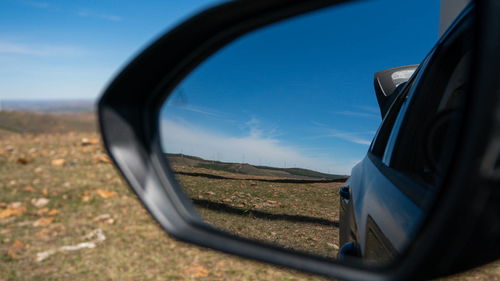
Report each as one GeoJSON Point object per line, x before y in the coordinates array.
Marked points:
{"type": "Point", "coordinates": [387, 81]}
{"type": "Point", "coordinates": [238, 138]}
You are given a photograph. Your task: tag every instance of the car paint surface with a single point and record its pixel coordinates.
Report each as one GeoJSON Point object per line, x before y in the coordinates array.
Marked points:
{"type": "Point", "coordinates": [375, 197]}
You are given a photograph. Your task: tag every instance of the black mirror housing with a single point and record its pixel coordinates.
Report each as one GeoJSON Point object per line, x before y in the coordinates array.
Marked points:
{"type": "Point", "coordinates": [468, 203]}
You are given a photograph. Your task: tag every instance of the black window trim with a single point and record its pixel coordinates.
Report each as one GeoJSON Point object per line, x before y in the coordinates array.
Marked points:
{"type": "Point", "coordinates": [384, 129]}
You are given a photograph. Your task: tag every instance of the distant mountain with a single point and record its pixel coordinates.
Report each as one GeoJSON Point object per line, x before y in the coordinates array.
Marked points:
{"type": "Point", "coordinates": [39, 123]}
{"type": "Point", "coordinates": [48, 106]}
{"type": "Point", "coordinates": [248, 169]}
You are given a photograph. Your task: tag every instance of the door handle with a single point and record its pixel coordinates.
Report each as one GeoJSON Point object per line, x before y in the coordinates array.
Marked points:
{"type": "Point", "coordinates": [345, 192]}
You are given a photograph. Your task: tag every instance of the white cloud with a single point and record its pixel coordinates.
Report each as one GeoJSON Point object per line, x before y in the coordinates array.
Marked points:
{"type": "Point", "coordinates": [183, 137]}
{"type": "Point", "coordinates": [362, 111]}
{"type": "Point", "coordinates": [363, 138]}
{"type": "Point", "coordinates": [201, 110]}
{"type": "Point", "coordinates": [255, 130]}
{"type": "Point", "coordinates": [354, 137]}
{"type": "Point", "coordinates": [39, 49]}
{"type": "Point", "coordinates": [94, 14]}
{"type": "Point", "coordinates": [371, 109]}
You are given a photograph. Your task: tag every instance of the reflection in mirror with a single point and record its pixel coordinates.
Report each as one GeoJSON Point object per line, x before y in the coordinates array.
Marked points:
{"type": "Point", "coordinates": [264, 134]}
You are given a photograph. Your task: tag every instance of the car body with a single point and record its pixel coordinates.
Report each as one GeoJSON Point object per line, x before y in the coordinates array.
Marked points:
{"type": "Point", "coordinates": [384, 202]}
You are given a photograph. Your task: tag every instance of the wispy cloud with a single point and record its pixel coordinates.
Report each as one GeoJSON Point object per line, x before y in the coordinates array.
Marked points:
{"type": "Point", "coordinates": [253, 148]}
{"type": "Point", "coordinates": [254, 126]}
{"type": "Point", "coordinates": [361, 111]}
{"type": "Point", "coordinates": [180, 100]}
{"type": "Point", "coordinates": [201, 110]}
{"type": "Point", "coordinates": [371, 109]}
{"type": "Point", "coordinates": [80, 12]}
{"type": "Point", "coordinates": [363, 137]}
{"type": "Point", "coordinates": [39, 49]}
{"type": "Point", "coordinates": [257, 129]}
{"type": "Point", "coordinates": [354, 137]}
{"type": "Point", "coordinates": [358, 114]}
{"type": "Point", "coordinates": [37, 4]}
{"type": "Point", "coordinates": [99, 15]}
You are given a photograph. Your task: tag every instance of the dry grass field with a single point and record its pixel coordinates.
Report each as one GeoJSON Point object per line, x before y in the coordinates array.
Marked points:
{"type": "Point", "coordinates": [65, 214]}
{"type": "Point", "coordinates": [57, 189]}
{"type": "Point", "coordinates": [298, 216]}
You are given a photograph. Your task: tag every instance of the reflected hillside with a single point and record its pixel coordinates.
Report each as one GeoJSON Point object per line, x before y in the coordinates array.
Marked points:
{"type": "Point", "coordinates": [290, 207]}
{"type": "Point", "coordinates": [195, 165]}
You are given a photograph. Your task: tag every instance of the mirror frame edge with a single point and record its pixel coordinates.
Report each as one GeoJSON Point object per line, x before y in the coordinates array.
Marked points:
{"type": "Point", "coordinates": [128, 124]}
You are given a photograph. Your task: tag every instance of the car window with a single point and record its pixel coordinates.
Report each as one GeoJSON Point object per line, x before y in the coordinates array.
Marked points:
{"type": "Point", "coordinates": [379, 143]}
{"type": "Point", "coordinates": [426, 125]}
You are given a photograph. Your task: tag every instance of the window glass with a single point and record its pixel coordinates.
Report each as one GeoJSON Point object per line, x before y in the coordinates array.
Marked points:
{"type": "Point", "coordinates": [380, 141]}
{"type": "Point", "coordinates": [427, 125]}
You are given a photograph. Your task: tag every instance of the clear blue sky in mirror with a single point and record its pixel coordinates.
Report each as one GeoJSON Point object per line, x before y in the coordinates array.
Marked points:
{"type": "Point", "coordinates": [299, 93]}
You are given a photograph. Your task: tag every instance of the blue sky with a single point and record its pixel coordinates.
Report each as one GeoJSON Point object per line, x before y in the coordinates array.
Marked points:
{"type": "Point", "coordinates": [299, 93]}
{"type": "Point", "coordinates": [71, 49]}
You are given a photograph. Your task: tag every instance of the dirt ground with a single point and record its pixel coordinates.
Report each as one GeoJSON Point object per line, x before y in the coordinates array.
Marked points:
{"type": "Point", "coordinates": [61, 190]}
{"type": "Point", "coordinates": [298, 216]}
{"type": "Point", "coordinates": [65, 214]}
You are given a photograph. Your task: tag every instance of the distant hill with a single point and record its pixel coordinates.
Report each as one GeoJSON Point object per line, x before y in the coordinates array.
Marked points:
{"type": "Point", "coordinates": [38, 123]}
{"type": "Point", "coordinates": [49, 106]}
{"type": "Point", "coordinates": [247, 169]}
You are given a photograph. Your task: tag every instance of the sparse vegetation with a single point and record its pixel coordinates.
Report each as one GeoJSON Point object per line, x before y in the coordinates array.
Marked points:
{"type": "Point", "coordinates": [57, 188]}
{"type": "Point", "coordinates": [299, 216]}
{"type": "Point", "coordinates": [43, 123]}
{"type": "Point", "coordinates": [85, 193]}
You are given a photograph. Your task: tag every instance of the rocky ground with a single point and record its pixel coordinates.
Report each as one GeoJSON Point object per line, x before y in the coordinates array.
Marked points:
{"type": "Point", "coordinates": [65, 214]}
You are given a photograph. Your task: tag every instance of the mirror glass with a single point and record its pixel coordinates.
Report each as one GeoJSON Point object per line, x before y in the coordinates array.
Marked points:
{"type": "Point", "coordinates": [272, 136]}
